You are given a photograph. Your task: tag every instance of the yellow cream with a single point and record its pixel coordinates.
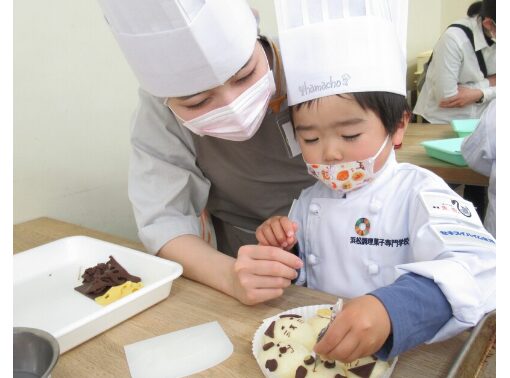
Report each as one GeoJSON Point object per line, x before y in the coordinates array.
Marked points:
{"type": "Point", "coordinates": [117, 292]}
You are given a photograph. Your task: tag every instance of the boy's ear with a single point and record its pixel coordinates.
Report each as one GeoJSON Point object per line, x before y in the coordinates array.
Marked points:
{"type": "Point", "coordinates": [398, 135]}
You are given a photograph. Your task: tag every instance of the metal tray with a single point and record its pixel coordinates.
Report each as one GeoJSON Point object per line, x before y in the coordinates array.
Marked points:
{"type": "Point", "coordinates": [476, 349]}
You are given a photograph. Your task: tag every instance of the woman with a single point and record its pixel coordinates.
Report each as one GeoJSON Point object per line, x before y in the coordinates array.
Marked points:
{"type": "Point", "coordinates": [209, 134]}
{"type": "Point", "coordinates": [455, 85]}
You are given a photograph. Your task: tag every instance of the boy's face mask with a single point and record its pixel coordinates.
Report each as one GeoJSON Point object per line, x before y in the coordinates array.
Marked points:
{"type": "Point", "coordinates": [347, 176]}
{"type": "Point", "coordinates": [239, 120]}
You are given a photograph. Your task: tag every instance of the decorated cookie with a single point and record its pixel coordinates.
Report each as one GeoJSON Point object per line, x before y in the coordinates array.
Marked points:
{"type": "Point", "coordinates": [283, 358]}
{"type": "Point", "coordinates": [291, 328]}
{"type": "Point", "coordinates": [322, 369]}
{"type": "Point", "coordinates": [367, 367]}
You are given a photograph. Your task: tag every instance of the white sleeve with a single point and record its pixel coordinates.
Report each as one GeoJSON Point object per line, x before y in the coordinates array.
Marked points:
{"type": "Point", "coordinates": [479, 149]}
{"type": "Point", "coordinates": [166, 188]}
{"type": "Point", "coordinates": [453, 249]}
{"type": "Point", "coordinates": [447, 59]}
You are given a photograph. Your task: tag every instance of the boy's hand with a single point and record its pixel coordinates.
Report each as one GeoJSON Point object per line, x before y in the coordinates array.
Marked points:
{"type": "Point", "coordinates": [278, 232]}
{"type": "Point", "coordinates": [359, 330]}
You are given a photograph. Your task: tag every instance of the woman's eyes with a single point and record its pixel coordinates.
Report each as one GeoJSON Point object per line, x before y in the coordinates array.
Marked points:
{"type": "Point", "coordinates": [246, 77]}
{"type": "Point", "coordinates": [198, 105]}
{"type": "Point", "coordinates": [313, 140]}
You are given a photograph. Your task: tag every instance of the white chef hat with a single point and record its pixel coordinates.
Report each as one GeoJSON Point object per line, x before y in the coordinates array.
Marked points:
{"type": "Point", "coordinates": [339, 46]}
{"type": "Point", "coordinates": [182, 47]}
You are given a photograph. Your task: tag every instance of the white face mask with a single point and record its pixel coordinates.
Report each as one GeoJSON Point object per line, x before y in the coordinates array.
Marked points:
{"type": "Point", "coordinates": [346, 176]}
{"type": "Point", "coordinates": [240, 119]}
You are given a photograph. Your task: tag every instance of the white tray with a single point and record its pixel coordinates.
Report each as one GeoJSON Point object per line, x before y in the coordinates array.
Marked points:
{"type": "Point", "coordinates": [45, 278]}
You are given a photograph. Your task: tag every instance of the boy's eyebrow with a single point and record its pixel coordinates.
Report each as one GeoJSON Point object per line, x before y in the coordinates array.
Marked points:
{"type": "Point", "coordinates": [348, 122]}
{"type": "Point", "coordinates": [304, 127]}
{"type": "Point", "coordinates": [345, 122]}
{"type": "Point", "coordinates": [183, 98]}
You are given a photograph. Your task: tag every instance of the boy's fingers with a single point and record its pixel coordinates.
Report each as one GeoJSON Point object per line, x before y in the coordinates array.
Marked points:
{"type": "Point", "coordinates": [334, 336]}
{"type": "Point", "coordinates": [288, 227]}
{"type": "Point", "coordinates": [270, 237]}
{"type": "Point", "coordinates": [279, 233]}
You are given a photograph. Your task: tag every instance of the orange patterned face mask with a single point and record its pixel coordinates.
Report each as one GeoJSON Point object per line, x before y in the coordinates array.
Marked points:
{"type": "Point", "coordinates": [346, 176]}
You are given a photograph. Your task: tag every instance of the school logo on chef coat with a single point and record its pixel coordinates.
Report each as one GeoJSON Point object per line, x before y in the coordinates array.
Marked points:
{"type": "Point", "coordinates": [362, 226]}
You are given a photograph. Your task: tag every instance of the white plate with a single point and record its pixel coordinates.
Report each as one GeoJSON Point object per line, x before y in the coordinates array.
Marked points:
{"type": "Point", "coordinates": [45, 278]}
{"type": "Point", "coordinates": [306, 312]}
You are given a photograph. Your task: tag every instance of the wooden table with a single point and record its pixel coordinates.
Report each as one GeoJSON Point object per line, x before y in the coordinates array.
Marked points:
{"type": "Point", "coordinates": [190, 304]}
{"type": "Point", "coordinates": [413, 152]}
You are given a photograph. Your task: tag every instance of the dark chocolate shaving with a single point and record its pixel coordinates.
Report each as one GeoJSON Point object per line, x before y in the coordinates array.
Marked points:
{"type": "Point", "coordinates": [98, 279]}
{"type": "Point", "coordinates": [290, 316]}
{"type": "Point", "coordinates": [340, 376]}
{"type": "Point", "coordinates": [267, 346]}
{"type": "Point", "coordinates": [329, 364]}
{"type": "Point", "coordinates": [270, 330]}
{"type": "Point", "coordinates": [363, 371]}
{"type": "Point", "coordinates": [283, 350]}
{"type": "Point", "coordinates": [271, 365]}
{"type": "Point", "coordinates": [309, 360]}
{"type": "Point", "coordinates": [301, 372]}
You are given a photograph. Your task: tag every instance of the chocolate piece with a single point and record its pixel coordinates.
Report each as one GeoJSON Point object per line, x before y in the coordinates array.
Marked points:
{"type": "Point", "coordinates": [329, 364]}
{"type": "Point", "coordinates": [309, 360]}
{"type": "Point", "coordinates": [283, 350]}
{"type": "Point", "coordinates": [290, 316]}
{"type": "Point", "coordinates": [270, 330]}
{"type": "Point", "coordinates": [363, 371]}
{"type": "Point", "coordinates": [301, 372]}
{"type": "Point", "coordinates": [98, 279]}
{"type": "Point", "coordinates": [340, 376]}
{"type": "Point", "coordinates": [271, 365]}
{"type": "Point", "coordinates": [268, 346]}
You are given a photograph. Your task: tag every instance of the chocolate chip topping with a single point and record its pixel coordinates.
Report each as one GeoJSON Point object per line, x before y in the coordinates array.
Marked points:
{"type": "Point", "coordinates": [98, 279]}
{"type": "Point", "coordinates": [283, 349]}
{"type": "Point", "coordinates": [301, 372]}
{"type": "Point", "coordinates": [363, 371]}
{"type": "Point", "coordinates": [271, 365]}
{"type": "Point", "coordinates": [290, 316]}
{"type": "Point", "coordinates": [268, 346]}
{"type": "Point", "coordinates": [309, 360]}
{"type": "Point", "coordinates": [329, 364]}
{"type": "Point", "coordinates": [270, 330]}
{"type": "Point", "coordinates": [340, 376]}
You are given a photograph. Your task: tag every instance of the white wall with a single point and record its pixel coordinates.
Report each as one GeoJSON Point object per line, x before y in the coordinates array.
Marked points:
{"type": "Point", "coordinates": [73, 99]}
{"type": "Point", "coordinates": [74, 95]}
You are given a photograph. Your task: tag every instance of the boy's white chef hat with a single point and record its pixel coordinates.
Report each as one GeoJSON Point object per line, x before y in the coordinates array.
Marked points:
{"type": "Point", "coordinates": [182, 47]}
{"type": "Point", "coordinates": [338, 46]}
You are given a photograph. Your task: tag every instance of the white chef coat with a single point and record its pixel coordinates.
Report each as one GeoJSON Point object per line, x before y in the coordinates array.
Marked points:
{"type": "Point", "coordinates": [415, 226]}
{"type": "Point", "coordinates": [479, 151]}
{"type": "Point", "coordinates": [174, 175]}
{"type": "Point", "coordinates": [454, 63]}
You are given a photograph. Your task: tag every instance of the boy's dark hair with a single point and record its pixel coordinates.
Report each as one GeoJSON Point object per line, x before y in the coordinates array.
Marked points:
{"type": "Point", "coordinates": [389, 107]}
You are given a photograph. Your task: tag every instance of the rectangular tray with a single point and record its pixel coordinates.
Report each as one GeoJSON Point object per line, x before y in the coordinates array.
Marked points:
{"type": "Point", "coordinates": [476, 349]}
{"type": "Point", "coordinates": [464, 127]}
{"type": "Point", "coordinates": [45, 278]}
{"type": "Point", "coordinates": [445, 149]}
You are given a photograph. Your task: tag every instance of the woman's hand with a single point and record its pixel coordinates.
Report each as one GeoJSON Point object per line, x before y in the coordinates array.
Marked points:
{"type": "Point", "coordinates": [359, 330]}
{"type": "Point", "coordinates": [262, 273]}
{"type": "Point", "coordinates": [277, 231]}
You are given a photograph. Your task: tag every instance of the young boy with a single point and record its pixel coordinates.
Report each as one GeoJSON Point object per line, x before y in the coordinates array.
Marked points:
{"type": "Point", "coordinates": [411, 253]}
